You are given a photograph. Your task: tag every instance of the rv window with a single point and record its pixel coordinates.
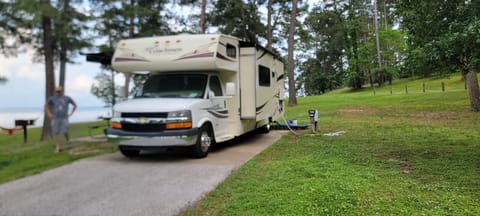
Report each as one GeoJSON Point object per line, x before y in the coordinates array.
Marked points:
{"type": "Point", "coordinates": [215, 86]}
{"type": "Point", "coordinates": [263, 76]}
{"type": "Point", "coordinates": [231, 51]}
{"type": "Point", "coordinates": [175, 86]}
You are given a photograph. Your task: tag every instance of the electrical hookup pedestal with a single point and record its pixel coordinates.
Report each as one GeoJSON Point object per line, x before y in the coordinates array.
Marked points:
{"type": "Point", "coordinates": [313, 114]}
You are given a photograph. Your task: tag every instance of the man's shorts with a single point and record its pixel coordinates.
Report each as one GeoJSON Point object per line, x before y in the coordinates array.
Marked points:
{"type": "Point", "coordinates": [59, 125]}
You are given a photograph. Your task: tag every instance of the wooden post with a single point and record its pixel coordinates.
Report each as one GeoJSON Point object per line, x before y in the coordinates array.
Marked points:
{"type": "Point", "coordinates": [374, 91]}
{"type": "Point", "coordinates": [406, 89]}
{"type": "Point", "coordinates": [443, 86]}
{"type": "Point", "coordinates": [423, 87]}
{"type": "Point", "coordinates": [391, 91]}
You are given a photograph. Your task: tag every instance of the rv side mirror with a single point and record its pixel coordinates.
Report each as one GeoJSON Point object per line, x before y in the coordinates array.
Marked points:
{"type": "Point", "coordinates": [211, 94]}
{"type": "Point", "coordinates": [230, 89]}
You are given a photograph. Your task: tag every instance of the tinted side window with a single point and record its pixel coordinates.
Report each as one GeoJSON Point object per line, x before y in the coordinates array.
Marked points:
{"type": "Point", "coordinates": [263, 76]}
{"type": "Point", "coordinates": [215, 86]}
{"type": "Point", "coordinates": [231, 51]}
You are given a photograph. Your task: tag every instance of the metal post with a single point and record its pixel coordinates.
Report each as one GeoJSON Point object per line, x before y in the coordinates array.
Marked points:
{"type": "Point", "coordinates": [24, 123]}
{"type": "Point", "coordinates": [313, 114]}
{"type": "Point", "coordinates": [24, 133]}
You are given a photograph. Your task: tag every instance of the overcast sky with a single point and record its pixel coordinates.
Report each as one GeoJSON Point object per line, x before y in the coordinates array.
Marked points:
{"type": "Point", "coordinates": [25, 87]}
{"type": "Point", "coordinates": [26, 82]}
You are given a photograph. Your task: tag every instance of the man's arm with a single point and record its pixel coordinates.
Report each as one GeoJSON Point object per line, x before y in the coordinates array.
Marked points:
{"type": "Point", "coordinates": [47, 110]}
{"type": "Point", "coordinates": [73, 108]}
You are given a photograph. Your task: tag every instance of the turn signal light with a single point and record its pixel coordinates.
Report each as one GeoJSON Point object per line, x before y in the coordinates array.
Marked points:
{"type": "Point", "coordinates": [117, 125]}
{"type": "Point", "coordinates": [179, 125]}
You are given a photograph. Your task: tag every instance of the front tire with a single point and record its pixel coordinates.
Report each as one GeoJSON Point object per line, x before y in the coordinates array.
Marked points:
{"type": "Point", "coordinates": [204, 142]}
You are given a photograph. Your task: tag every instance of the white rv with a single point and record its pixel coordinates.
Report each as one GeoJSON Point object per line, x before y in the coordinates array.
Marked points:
{"type": "Point", "coordinates": [200, 89]}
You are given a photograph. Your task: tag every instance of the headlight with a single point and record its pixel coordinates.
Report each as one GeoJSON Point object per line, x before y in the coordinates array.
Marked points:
{"type": "Point", "coordinates": [179, 120]}
{"type": "Point", "coordinates": [116, 125]}
{"type": "Point", "coordinates": [115, 120]}
{"type": "Point", "coordinates": [183, 115]}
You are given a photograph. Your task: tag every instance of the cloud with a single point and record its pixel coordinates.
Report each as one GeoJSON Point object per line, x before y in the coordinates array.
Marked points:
{"type": "Point", "coordinates": [80, 78]}
{"type": "Point", "coordinates": [78, 81]}
{"type": "Point", "coordinates": [21, 67]}
{"type": "Point", "coordinates": [26, 82]}
{"type": "Point", "coordinates": [22, 93]}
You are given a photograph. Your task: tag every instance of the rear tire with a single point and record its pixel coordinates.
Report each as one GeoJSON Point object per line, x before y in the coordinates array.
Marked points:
{"type": "Point", "coordinates": [130, 153]}
{"type": "Point", "coordinates": [204, 142]}
{"type": "Point", "coordinates": [264, 129]}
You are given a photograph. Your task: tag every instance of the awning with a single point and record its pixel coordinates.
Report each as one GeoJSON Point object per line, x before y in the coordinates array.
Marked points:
{"type": "Point", "coordinates": [104, 58]}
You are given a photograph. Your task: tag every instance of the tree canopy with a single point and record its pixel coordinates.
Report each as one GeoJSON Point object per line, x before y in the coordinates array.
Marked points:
{"type": "Point", "coordinates": [444, 36]}
{"type": "Point", "coordinates": [337, 43]}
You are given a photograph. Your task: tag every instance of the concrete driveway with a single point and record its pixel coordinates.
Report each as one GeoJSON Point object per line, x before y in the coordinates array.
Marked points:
{"type": "Point", "coordinates": [164, 183]}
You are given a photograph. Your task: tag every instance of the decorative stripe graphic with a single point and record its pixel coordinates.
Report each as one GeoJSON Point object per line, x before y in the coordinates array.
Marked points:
{"type": "Point", "coordinates": [280, 77]}
{"type": "Point", "coordinates": [220, 56]}
{"type": "Point", "coordinates": [125, 59]}
{"type": "Point", "coordinates": [219, 114]}
{"type": "Point", "coordinates": [200, 55]}
{"type": "Point", "coordinates": [260, 108]}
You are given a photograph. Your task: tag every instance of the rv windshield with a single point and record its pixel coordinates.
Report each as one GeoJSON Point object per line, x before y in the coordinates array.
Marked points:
{"type": "Point", "coordinates": [174, 86]}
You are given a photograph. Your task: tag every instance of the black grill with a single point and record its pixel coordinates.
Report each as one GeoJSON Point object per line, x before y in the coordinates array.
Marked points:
{"type": "Point", "coordinates": [145, 115]}
{"type": "Point", "coordinates": [143, 127]}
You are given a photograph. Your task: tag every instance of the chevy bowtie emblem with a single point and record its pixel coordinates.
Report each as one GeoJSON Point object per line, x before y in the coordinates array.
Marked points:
{"type": "Point", "coordinates": [142, 120]}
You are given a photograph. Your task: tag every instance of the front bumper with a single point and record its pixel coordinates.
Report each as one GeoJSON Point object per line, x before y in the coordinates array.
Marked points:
{"type": "Point", "coordinates": [171, 138]}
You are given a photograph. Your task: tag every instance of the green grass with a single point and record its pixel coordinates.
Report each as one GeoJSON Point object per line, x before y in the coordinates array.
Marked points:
{"type": "Point", "coordinates": [402, 154]}
{"type": "Point", "coordinates": [19, 160]}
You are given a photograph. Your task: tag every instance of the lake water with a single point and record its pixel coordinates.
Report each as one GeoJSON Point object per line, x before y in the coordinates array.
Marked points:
{"type": "Point", "coordinates": [88, 114]}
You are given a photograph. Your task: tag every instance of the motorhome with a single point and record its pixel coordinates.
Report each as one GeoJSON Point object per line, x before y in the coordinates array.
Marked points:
{"type": "Point", "coordinates": [201, 89]}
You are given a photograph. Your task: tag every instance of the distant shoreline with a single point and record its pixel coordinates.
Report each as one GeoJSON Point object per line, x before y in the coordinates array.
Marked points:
{"type": "Point", "coordinates": [41, 108]}
{"type": "Point", "coordinates": [82, 114]}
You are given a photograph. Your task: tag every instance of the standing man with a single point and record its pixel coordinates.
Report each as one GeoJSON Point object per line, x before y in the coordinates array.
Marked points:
{"type": "Point", "coordinates": [58, 111]}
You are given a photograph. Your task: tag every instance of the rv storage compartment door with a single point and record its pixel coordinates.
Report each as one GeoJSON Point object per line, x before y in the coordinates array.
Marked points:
{"type": "Point", "coordinates": [247, 83]}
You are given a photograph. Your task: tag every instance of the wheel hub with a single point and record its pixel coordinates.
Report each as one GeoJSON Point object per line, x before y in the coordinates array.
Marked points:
{"type": "Point", "coordinates": [205, 142]}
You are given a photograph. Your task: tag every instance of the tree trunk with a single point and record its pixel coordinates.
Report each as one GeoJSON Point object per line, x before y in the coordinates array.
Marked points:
{"type": "Point", "coordinates": [131, 33]}
{"type": "Point", "coordinates": [128, 78]}
{"type": "Point", "coordinates": [63, 43]}
{"type": "Point", "coordinates": [114, 99]}
{"type": "Point", "coordinates": [377, 37]}
{"type": "Point", "coordinates": [473, 90]}
{"type": "Point", "coordinates": [63, 66]}
{"type": "Point", "coordinates": [269, 25]}
{"type": "Point", "coordinates": [292, 93]}
{"type": "Point", "coordinates": [49, 72]}
{"type": "Point", "coordinates": [253, 27]}
{"type": "Point", "coordinates": [244, 24]}
{"type": "Point", "coordinates": [370, 77]}
{"type": "Point", "coordinates": [202, 23]}
{"type": "Point", "coordinates": [385, 15]}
